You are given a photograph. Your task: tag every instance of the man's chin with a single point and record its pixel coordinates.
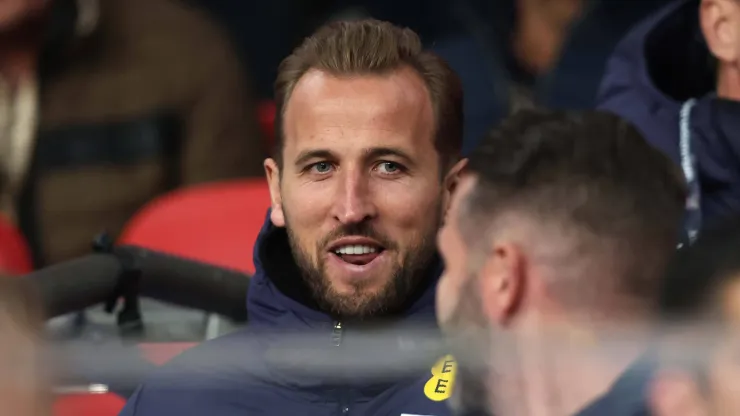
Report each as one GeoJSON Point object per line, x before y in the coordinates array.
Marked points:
{"type": "Point", "coordinates": [356, 293]}
{"type": "Point", "coordinates": [353, 300]}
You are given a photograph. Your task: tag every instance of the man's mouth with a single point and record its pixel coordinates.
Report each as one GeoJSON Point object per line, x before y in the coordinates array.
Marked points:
{"type": "Point", "coordinates": [358, 254]}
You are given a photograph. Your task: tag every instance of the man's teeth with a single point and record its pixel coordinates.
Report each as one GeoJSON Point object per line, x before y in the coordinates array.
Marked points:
{"type": "Point", "coordinates": [356, 249]}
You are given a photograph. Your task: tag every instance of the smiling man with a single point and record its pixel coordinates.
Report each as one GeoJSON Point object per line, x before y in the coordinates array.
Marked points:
{"type": "Point", "coordinates": [369, 130]}
{"type": "Point", "coordinates": [359, 185]}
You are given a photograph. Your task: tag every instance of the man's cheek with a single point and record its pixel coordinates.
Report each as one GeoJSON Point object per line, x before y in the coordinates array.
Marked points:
{"type": "Point", "coordinates": [446, 299]}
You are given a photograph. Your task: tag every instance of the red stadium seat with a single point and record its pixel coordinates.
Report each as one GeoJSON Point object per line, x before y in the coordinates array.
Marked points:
{"type": "Point", "coordinates": [90, 404]}
{"type": "Point", "coordinates": [15, 256]}
{"type": "Point", "coordinates": [213, 223]}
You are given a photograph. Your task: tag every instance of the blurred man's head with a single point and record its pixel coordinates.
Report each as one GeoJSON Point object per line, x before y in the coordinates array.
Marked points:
{"type": "Point", "coordinates": [563, 217]}
{"type": "Point", "coordinates": [540, 30]}
{"type": "Point", "coordinates": [720, 25]}
{"type": "Point", "coordinates": [15, 12]}
{"type": "Point", "coordinates": [700, 303]}
{"type": "Point", "coordinates": [369, 130]}
{"type": "Point", "coordinates": [21, 31]}
{"type": "Point", "coordinates": [22, 375]}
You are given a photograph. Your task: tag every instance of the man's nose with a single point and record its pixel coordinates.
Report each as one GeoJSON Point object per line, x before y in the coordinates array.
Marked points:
{"type": "Point", "coordinates": [354, 200]}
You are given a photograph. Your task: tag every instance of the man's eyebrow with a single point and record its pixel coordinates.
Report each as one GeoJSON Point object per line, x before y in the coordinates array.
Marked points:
{"type": "Point", "coordinates": [377, 152]}
{"type": "Point", "coordinates": [372, 153]}
{"type": "Point", "coordinates": [307, 155]}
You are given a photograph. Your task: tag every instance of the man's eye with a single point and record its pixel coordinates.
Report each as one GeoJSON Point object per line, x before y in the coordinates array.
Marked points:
{"type": "Point", "coordinates": [389, 167]}
{"type": "Point", "coordinates": [322, 167]}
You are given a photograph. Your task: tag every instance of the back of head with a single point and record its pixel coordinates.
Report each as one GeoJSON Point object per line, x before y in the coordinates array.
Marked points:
{"type": "Point", "coordinates": [603, 208]}
{"type": "Point", "coordinates": [371, 47]}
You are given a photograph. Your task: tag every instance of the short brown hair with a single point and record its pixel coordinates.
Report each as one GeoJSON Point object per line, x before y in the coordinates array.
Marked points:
{"type": "Point", "coordinates": [595, 174]}
{"type": "Point", "coordinates": [365, 47]}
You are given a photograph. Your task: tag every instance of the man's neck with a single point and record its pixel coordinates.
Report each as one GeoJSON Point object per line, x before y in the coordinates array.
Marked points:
{"type": "Point", "coordinates": [559, 377]}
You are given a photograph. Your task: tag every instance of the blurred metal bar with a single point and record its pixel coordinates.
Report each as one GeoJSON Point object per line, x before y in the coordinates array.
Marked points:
{"type": "Point", "coordinates": [80, 389]}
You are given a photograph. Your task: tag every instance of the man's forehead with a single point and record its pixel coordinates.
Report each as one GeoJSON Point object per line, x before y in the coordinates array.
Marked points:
{"type": "Point", "coordinates": [318, 89]}
{"type": "Point", "coordinates": [392, 110]}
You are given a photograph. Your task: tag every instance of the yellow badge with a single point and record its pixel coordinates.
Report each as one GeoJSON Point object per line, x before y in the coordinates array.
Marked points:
{"type": "Point", "coordinates": [439, 387]}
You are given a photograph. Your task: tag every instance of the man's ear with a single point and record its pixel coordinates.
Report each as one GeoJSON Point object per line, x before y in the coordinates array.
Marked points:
{"type": "Point", "coordinates": [720, 24]}
{"type": "Point", "coordinates": [502, 282]}
{"type": "Point", "coordinates": [452, 178]}
{"type": "Point", "coordinates": [272, 171]}
{"type": "Point", "coordinates": [676, 394]}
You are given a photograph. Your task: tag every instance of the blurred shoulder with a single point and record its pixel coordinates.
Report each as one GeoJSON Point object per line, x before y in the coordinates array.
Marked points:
{"type": "Point", "coordinates": [235, 351]}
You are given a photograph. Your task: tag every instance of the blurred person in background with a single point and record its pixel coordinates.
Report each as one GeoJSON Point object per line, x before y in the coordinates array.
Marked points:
{"type": "Point", "coordinates": [537, 36]}
{"type": "Point", "coordinates": [556, 50]}
{"type": "Point", "coordinates": [369, 131]}
{"type": "Point", "coordinates": [106, 104]}
{"type": "Point", "coordinates": [700, 305]}
{"type": "Point", "coordinates": [24, 382]}
{"type": "Point", "coordinates": [500, 51]}
{"type": "Point", "coordinates": [508, 53]}
{"type": "Point", "coordinates": [267, 31]}
{"type": "Point", "coordinates": [676, 76]}
{"type": "Point", "coordinates": [573, 80]}
{"type": "Point", "coordinates": [555, 241]}
{"type": "Point", "coordinates": [514, 54]}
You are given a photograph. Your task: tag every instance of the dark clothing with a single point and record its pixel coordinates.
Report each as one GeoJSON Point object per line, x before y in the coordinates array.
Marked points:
{"type": "Point", "coordinates": [628, 395]}
{"type": "Point", "coordinates": [239, 374]}
{"type": "Point", "coordinates": [573, 82]}
{"type": "Point", "coordinates": [482, 103]}
{"type": "Point", "coordinates": [660, 65]}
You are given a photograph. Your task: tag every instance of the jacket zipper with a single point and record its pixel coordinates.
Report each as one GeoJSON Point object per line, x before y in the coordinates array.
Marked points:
{"type": "Point", "coordinates": [336, 338]}
{"type": "Point", "coordinates": [336, 334]}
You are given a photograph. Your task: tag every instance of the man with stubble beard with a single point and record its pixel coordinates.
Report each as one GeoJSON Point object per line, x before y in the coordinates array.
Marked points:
{"type": "Point", "coordinates": [554, 248]}
{"type": "Point", "coordinates": [369, 131]}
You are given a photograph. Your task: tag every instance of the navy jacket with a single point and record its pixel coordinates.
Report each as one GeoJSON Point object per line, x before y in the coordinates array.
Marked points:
{"type": "Point", "coordinates": [260, 370]}
{"type": "Point", "coordinates": [662, 63]}
{"type": "Point", "coordinates": [628, 395]}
